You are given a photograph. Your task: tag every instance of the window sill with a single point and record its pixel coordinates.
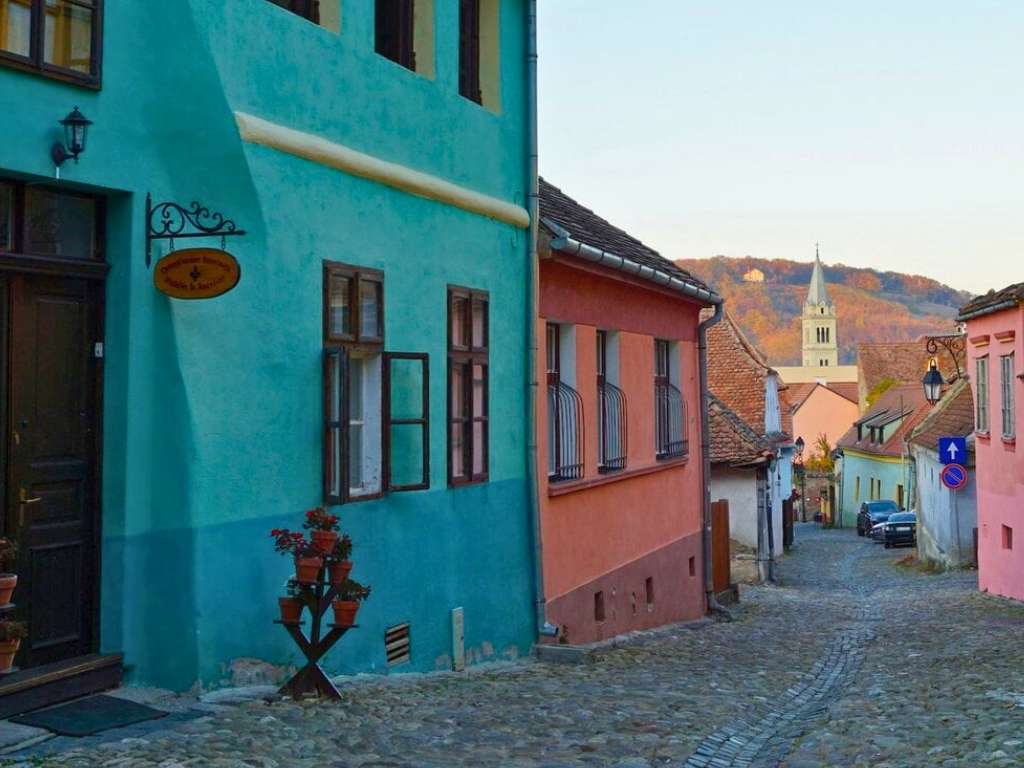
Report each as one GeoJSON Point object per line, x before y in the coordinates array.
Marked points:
{"type": "Point", "coordinates": [572, 486]}
{"type": "Point", "coordinates": [1010, 442]}
{"type": "Point", "coordinates": [49, 72]}
{"type": "Point", "coordinates": [983, 436]}
{"type": "Point", "coordinates": [468, 483]}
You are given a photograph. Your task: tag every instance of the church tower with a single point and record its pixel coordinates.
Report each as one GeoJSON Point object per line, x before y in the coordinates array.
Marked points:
{"type": "Point", "coordinates": [820, 343]}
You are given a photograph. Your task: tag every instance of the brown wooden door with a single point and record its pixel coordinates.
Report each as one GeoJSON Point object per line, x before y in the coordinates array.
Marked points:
{"type": "Point", "coordinates": [721, 565]}
{"type": "Point", "coordinates": [52, 425]}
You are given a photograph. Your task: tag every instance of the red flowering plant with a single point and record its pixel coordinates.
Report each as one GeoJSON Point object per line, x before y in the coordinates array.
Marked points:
{"type": "Point", "coordinates": [319, 520]}
{"type": "Point", "coordinates": [292, 543]}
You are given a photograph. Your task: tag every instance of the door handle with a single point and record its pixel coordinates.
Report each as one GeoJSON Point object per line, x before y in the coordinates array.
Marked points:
{"type": "Point", "coordinates": [24, 499]}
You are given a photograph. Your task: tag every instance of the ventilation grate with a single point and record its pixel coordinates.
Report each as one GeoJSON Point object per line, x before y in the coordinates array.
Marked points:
{"type": "Point", "coordinates": [398, 645]}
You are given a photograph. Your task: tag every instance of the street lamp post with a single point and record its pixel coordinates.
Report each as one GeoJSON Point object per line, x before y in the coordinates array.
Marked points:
{"type": "Point", "coordinates": [799, 445]}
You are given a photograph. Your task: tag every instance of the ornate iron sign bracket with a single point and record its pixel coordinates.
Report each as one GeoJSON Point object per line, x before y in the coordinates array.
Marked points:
{"type": "Point", "coordinates": [166, 221]}
{"type": "Point", "coordinates": [954, 345]}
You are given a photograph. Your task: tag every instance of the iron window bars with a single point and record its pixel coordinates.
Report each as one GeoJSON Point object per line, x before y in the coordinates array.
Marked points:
{"type": "Point", "coordinates": [612, 436]}
{"type": "Point", "coordinates": [565, 417]}
{"type": "Point", "coordinates": [669, 408]}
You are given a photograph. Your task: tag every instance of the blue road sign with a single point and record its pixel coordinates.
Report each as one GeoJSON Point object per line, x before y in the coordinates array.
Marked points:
{"type": "Point", "coordinates": [953, 450]}
{"type": "Point", "coordinates": [954, 477]}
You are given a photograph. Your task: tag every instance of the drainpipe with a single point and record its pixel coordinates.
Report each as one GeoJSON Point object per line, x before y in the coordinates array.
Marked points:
{"type": "Point", "coordinates": [541, 625]}
{"type": "Point", "coordinates": [705, 449]}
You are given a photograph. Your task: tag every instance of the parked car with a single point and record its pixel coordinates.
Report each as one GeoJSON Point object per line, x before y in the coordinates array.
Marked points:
{"type": "Point", "coordinates": [874, 512]}
{"type": "Point", "coordinates": [900, 529]}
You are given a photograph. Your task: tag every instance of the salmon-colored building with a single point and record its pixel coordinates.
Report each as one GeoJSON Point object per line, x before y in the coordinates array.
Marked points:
{"type": "Point", "coordinates": [621, 467]}
{"type": "Point", "coordinates": [995, 346]}
{"type": "Point", "coordinates": [818, 410]}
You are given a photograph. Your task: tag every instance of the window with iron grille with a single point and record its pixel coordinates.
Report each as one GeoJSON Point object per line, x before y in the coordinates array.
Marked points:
{"type": "Point", "coordinates": [376, 404]}
{"type": "Point", "coordinates": [468, 396]}
{"type": "Point", "coordinates": [981, 394]}
{"type": "Point", "coordinates": [669, 405]}
{"type": "Point", "coordinates": [56, 38]}
{"type": "Point", "coordinates": [394, 31]}
{"type": "Point", "coordinates": [612, 438]}
{"type": "Point", "coordinates": [565, 415]}
{"type": "Point", "coordinates": [1006, 391]}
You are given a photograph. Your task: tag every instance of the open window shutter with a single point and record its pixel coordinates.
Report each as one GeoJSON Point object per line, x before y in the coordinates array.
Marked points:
{"type": "Point", "coordinates": [406, 384]}
{"type": "Point", "coordinates": [335, 434]}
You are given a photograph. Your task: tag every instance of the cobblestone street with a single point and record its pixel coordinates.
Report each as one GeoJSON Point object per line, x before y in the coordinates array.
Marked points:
{"type": "Point", "coordinates": [853, 660]}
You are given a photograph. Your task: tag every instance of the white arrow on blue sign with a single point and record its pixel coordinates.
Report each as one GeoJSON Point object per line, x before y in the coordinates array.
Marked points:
{"type": "Point", "coordinates": [952, 450]}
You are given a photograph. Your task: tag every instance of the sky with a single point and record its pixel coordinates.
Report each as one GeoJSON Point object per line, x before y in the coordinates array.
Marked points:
{"type": "Point", "coordinates": [892, 132]}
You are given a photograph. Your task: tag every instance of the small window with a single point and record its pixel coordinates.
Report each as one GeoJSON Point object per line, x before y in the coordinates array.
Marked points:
{"type": "Point", "coordinates": [1007, 379]}
{"type": "Point", "coordinates": [649, 586]}
{"type": "Point", "coordinates": [469, 50]}
{"type": "Point", "coordinates": [404, 33]}
{"type": "Point", "coordinates": [612, 438]}
{"type": "Point", "coordinates": [856, 489]}
{"type": "Point", "coordinates": [325, 13]}
{"type": "Point", "coordinates": [1007, 537]}
{"type": "Point", "coordinates": [693, 566]}
{"type": "Point", "coordinates": [39, 221]}
{"type": "Point", "coordinates": [59, 38]}
{"type": "Point", "coordinates": [468, 386]}
{"type": "Point", "coordinates": [669, 406]}
{"type": "Point", "coordinates": [565, 407]}
{"type": "Point", "coordinates": [599, 614]}
{"type": "Point", "coordinates": [981, 421]}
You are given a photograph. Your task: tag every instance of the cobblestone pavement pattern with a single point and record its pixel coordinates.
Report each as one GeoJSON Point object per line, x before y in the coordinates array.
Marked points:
{"type": "Point", "coordinates": [852, 661]}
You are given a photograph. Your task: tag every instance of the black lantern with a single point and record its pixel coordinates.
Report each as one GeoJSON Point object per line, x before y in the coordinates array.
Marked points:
{"type": "Point", "coordinates": [799, 445]}
{"type": "Point", "coordinates": [933, 382]}
{"type": "Point", "coordinates": [75, 127]}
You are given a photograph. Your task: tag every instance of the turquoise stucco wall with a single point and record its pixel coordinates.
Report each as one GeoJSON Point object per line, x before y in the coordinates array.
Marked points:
{"type": "Point", "coordinates": [213, 408]}
{"type": "Point", "coordinates": [890, 474]}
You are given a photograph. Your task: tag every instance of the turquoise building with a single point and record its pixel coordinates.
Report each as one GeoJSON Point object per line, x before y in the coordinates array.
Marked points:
{"type": "Point", "coordinates": [875, 459]}
{"type": "Point", "coordinates": [373, 355]}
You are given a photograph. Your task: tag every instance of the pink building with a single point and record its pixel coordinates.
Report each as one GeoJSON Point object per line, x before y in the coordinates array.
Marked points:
{"type": "Point", "coordinates": [995, 334]}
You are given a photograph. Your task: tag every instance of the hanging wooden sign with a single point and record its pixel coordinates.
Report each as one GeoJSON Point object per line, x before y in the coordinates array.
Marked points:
{"type": "Point", "coordinates": [196, 273]}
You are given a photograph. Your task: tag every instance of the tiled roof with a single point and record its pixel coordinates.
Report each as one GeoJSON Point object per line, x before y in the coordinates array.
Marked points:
{"type": "Point", "coordinates": [904, 362]}
{"type": "Point", "coordinates": [992, 300]}
{"type": "Point", "coordinates": [953, 415]}
{"type": "Point", "coordinates": [798, 393]}
{"type": "Point", "coordinates": [737, 371]}
{"type": "Point", "coordinates": [903, 401]}
{"type": "Point", "coordinates": [586, 226]}
{"type": "Point", "coordinates": [847, 389]}
{"type": "Point", "coordinates": [733, 442]}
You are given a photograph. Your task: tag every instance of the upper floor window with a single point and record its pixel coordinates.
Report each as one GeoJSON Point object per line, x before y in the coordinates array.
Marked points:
{"type": "Point", "coordinates": [479, 59]}
{"type": "Point", "coordinates": [58, 38]}
{"type": "Point", "coordinates": [1006, 388]}
{"type": "Point", "coordinates": [565, 406]}
{"type": "Point", "coordinates": [611, 414]}
{"type": "Point", "coordinates": [670, 407]}
{"type": "Point", "coordinates": [981, 394]}
{"type": "Point", "coordinates": [468, 396]}
{"type": "Point", "coordinates": [326, 13]}
{"type": "Point", "coordinates": [469, 50]}
{"type": "Point", "coordinates": [404, 33]}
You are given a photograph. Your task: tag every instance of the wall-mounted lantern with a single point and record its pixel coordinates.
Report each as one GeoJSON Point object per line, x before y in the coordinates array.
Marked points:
{"type": "Point", "coordinates": [933, 382]}
{"type": "Point", "coordinates": [76, 126]}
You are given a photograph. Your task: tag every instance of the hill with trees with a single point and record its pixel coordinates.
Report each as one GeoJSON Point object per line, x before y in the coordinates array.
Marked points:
{"type": "Point", "coordinates": [766, 298]}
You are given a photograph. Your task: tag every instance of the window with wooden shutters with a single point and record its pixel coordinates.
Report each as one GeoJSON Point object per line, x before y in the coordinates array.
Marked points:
{"type": "Point", "coordinates": [57, 38]}
{"type": "Point", "coordinates": [468, 386]}
{"type": "Point", "coordinates": [1007, 380]}
{"type": "Point", "coordinates": [376, 403]}
{"type": "Point", "coordinates": [981, 394]}
{"type": "Point", "coordinates": [469, 50]}
{"type": "Point", "coordinates": [394, 31]}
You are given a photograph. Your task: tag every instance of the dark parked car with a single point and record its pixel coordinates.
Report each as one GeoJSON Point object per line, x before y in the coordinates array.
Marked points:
{"type": "Point", "coordinates": [900, 528]}
{"type": "Point", "coordinates": [874, 512]}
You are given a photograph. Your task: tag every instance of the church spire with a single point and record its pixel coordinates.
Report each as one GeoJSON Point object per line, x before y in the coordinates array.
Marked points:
{"type": "Point", "coordinates": [817, 293]}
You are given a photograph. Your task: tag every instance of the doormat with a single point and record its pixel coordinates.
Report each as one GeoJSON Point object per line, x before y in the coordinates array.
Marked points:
{"type": "Point", "coordinates": [84, 717]}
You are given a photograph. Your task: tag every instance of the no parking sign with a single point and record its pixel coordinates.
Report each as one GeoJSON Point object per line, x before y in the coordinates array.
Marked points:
{"type": "Point", "coordinates": [954, 476]}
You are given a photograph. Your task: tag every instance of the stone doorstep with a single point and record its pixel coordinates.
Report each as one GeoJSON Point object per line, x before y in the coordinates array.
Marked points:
{"type": "Point", "coordinates": [15, 737]}
{"type": "Point", "coordinates": [584, 654]}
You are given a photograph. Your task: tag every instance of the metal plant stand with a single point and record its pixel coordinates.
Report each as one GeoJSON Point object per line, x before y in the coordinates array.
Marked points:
{"type": "Point", "coordinates": [311, 680]}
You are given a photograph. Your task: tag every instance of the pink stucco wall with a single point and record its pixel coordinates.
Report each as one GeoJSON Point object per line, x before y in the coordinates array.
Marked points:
{"type": "Point", "coordinates": [1000, 466]}
{"type": "Point", "coordinates": [823, 413]}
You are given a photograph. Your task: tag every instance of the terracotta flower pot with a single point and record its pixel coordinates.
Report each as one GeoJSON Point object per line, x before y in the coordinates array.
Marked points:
{"type": "Point", "coordinates": [340, 569]}
{"type": "Point", "coordinates": [7, 584]}
{"type": "Point", "coordinates": [291, 609]}
{"type": "Point", "coordinates": [307, 569]}
{"type": "Point", "coordinates": [7, 650]}
{"type": "Point", "coordinates": [345, 612]}
{"type": "Point", "coordinates": [324, 540]}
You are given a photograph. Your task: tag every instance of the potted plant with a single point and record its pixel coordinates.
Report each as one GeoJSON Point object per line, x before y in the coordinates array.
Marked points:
{"type": "Point", "coordinates": [350, 595]}
{"type": "Point", "coordinates": [323, 528]}
{"type": "Point", "coordinates": [308, 560]}
{"type": "Point", "coordinates": [11, 635]}
{"type": "Point", "coordinates": [340, 566]}
{"type": "Point", "coordinates": [292, 605]}
{"type": "Point", "coordinates": [8, 581]}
